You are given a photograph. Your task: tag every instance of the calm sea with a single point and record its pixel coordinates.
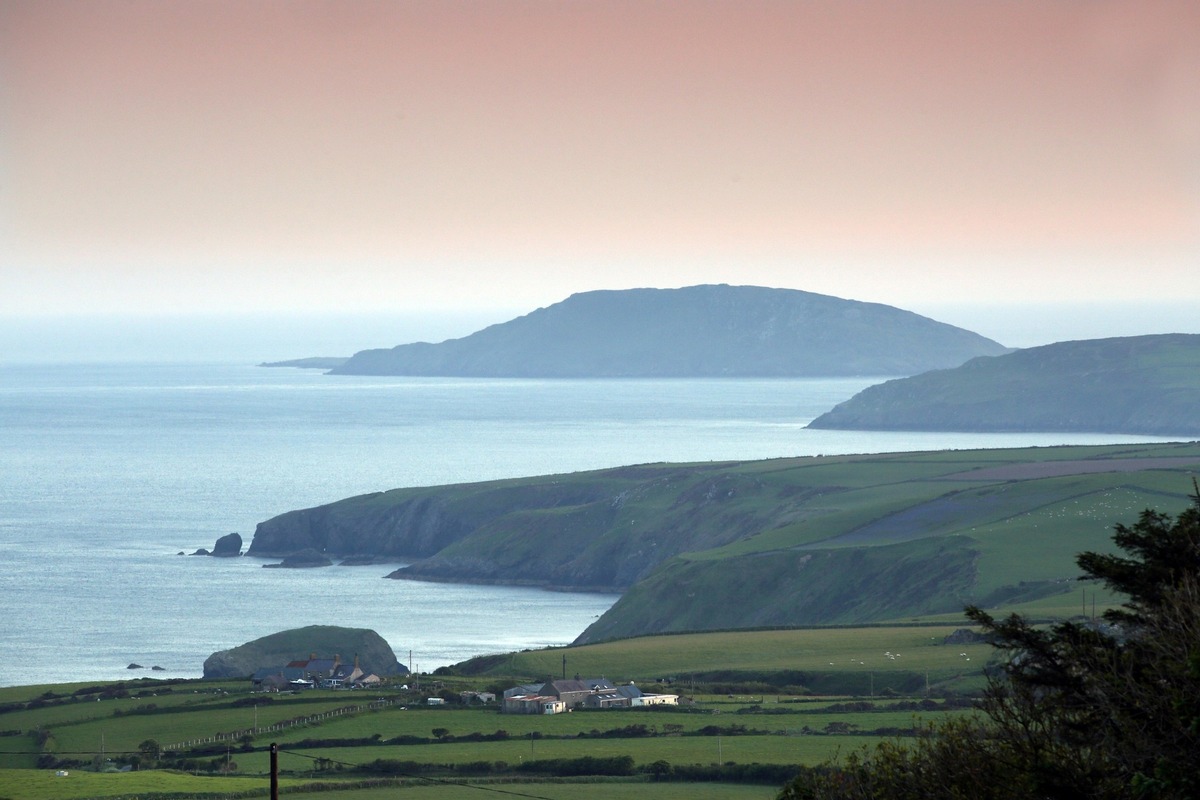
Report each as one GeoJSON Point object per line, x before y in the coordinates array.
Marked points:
{"type": "Point", "coordinates": [107, 472]}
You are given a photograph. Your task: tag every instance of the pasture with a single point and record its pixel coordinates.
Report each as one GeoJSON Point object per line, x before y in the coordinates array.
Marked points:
{"type": "Point", "coordinates": [754, 739]}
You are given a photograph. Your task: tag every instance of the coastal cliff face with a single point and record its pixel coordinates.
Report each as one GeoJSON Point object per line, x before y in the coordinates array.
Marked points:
{"type": "Point", "coordinates": [585, 531]}
{"type": "Point", "coordinates": [411, 528]}
{"type": "Point", "coordinates": [615, 540]}
{"type": "Point", "coordinates": [815, 540]}
{"type": "Point", "coordinates": [409, 524]}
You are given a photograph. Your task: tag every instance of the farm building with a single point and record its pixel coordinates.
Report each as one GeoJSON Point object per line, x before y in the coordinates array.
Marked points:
{"type": "Point", "coordinates": [533, 704]}
{"type": "Point", "coordinates": [327, 673]}
{"type": "Point", "coordinates": [576, 693]}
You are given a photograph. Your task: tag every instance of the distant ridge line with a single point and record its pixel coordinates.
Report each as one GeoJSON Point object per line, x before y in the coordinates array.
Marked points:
{"type": "Point", "coordinates": [695, 331]}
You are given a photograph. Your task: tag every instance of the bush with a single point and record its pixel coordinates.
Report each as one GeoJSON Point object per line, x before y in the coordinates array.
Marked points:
{"type": "Point", "coordinates": [585, 765]}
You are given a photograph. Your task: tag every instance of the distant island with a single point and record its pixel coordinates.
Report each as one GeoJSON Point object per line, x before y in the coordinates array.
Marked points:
{"type": "Point", "coordinates": [315, 362]}
{"type": "Point", "coordinates": [1135, 385]}
{"type": "Point", "coordinates": [698, 331]}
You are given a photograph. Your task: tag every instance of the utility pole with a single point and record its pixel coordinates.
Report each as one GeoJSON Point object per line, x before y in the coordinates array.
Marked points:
{"type": "Point", "coordinates": [274, 771]}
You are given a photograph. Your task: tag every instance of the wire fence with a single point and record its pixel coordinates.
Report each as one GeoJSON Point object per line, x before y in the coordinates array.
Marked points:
{"type": "Point", "coordinates": [233, 736]}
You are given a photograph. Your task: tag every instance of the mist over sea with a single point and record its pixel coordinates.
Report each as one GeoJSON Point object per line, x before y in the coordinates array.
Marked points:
{"type": "Point", "coordinates": [110, 470]}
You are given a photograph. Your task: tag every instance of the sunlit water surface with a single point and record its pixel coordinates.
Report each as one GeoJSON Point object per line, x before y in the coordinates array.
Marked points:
{"type": "Point", "coordinates": [109, 471]}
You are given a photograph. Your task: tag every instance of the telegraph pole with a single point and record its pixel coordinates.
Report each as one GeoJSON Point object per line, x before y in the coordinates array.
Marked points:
{"type": "Point", "coordinates": [274, 771]}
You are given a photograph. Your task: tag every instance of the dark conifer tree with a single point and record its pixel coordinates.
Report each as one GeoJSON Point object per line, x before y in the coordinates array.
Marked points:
{"type": "Point", "coordinates": [1079, 709]}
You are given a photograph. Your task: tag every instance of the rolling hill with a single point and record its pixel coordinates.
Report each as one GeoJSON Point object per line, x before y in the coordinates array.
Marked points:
{"type": "Point", "coordinates": [815, 540]}
{"type": "Point", "coordinates": [1136, 385]}
{"type": "Point", "coordinates": [360, 645]}
{"type": "Point", "coordinates": [698, 331]}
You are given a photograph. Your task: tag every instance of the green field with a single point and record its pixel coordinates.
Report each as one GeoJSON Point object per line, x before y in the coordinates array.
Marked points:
{"type": "Point", "coordinates": [786, 542]}
{"type": "Point", "coordinates": [411, 742]}
{"type": "Point", "coordinates": [607, 790]}
{"type": "Point", "coordinates": [907, 539]}
{"type": "Point", "coordinates": [858, 650]}
{"type": "Point", "coordinates": [894, 537]}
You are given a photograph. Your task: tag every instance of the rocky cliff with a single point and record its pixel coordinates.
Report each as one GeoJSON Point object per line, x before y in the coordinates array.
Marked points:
{"type": "Point", "coordinates": [579, 531]}
{"type": "Point", "coordinates": [409, 524]}
{"type": "Point", "coordinates": [817, 540]}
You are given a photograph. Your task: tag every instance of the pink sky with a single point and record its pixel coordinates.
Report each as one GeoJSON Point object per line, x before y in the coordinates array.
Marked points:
{"type": "Point", "coordinates": [235, 155]}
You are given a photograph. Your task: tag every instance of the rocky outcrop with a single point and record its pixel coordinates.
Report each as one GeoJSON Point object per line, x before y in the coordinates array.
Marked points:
{"type": "Point", "coordinates": [305, 559]}
{"type": "Point", "coordinates": [373, 652]}
{"type": "Point", "coordinates": [228, 546]}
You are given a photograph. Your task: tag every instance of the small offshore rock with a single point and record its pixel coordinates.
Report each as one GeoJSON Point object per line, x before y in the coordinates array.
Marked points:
{"type": "Point", "coordinates": [157, 668]}
{"type": "Point", "coordinates": [228, 546]}
{"type": "Point", "coordinates": [135, 665]}
{"type": "Point", "coordinates": [202, 552]}
{"type": "Point", "coordinates": [304, 559]}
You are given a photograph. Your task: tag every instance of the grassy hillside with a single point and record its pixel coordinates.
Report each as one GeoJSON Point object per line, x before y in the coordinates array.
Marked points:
{"type": "Point", "coordinates": [835, 660]}
{"type": "Point", "coordinates": [910, 535]}
{"type": "Point", "coordinates": [783, 542]}
{"type": "Point", "coordinates": [1137, 384]}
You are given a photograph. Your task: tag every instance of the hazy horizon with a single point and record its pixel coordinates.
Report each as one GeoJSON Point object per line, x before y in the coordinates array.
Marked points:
{"type": "Point", "coordinates": [254, 338]}
{"type": "Point", "coordinates": [431, 158]}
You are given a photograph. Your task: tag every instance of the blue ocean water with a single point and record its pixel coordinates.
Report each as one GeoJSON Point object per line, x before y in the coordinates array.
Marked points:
{"type": "Point", "coordinates": [107, 471]}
